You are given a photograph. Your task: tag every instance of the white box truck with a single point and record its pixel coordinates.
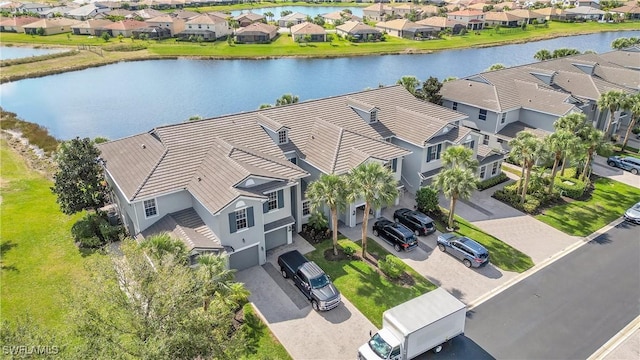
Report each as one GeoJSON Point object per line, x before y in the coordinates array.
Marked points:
{"type": "Point", "coordinates": [416, 326]}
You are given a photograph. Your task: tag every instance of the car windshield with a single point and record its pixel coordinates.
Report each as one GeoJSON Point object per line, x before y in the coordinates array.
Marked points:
{"type": "Point", "coordinates": [636, 207]}
{"type": "Point", "coordinates": [379, 346]}
{"type": "Point", "coordinates": [320, 282]}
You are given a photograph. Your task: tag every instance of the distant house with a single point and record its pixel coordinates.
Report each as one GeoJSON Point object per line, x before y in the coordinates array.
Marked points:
{"type": "Point", "coordinates": [339, 16]}
{"type": "Point", "coordinates": [584, 13]}
{"type": "Point", "coordinates": [315, 33]}
{"type": "Point", "coordinates": [256, 33]}
{"type": "Point", "coordinates": [378, 12]}
{"type": "Point", "coordinates": [442, 23]}
{"type": "Point", "coordinates": [50, 26]}
{"type": "Point", "coordinates": [358, 31]}
{"type": "Point", "coordinates": [551, 13]}
{"type": "Point", "coordinates": [185, 15]}
{"type": "Point", "coordinates": [152, 33]}
{"type": "Point", "coordinates": [530, 16]}
{"type": "Point", "coordinates": [295, 19]}
{"type": "Point", "coordinates": [503, 19]}
{"type": "Point", "coordinates": [89, 27]}
{"type": "Point", "coordinates": [124, 28]}
{"type": "Point", "coordinates": [15, 24]}
{"type": "Point", "coordinates": [589, 3]}
{"type": "Point", "coordinates": [86, 12]}
{"type": "Point", "coordinates": [247, 19]}
{"type": "Point", "coordinates": [145, 14]}
{"type": "Point", "coordinates": [473, 19]}
{"type": "Point", "coordinates": [209, 27]}
{"type": "Point", "coordinates": [631, 11]}
{"type": "Point", "coordinates": [56, 11]}
{"type": "Point", "coordinates": [175, 25]}
{"type": "Point", "coordinates": [119, 12]}
{"type": "Point", "coordinates": [404, 28]}
{"type": "Point", "coordinates": [29, 7]}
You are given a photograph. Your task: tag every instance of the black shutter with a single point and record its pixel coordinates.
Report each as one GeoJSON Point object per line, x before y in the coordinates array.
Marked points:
{"type": "Point", "coordinates": [265, 207]}
{"type": "Point", "coordinates": [280, 199]}
{"type": "Point", "coordinates": [232, 222]}
{"type": "Point", "coordinates": [250, 220]}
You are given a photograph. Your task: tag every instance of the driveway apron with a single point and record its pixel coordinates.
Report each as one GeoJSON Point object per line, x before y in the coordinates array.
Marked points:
{"type": "Point", "coordinates": [305, 333]}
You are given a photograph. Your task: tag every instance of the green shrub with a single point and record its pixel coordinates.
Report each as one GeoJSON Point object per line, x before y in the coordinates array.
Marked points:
{"type": "Point", "coordinates": [318, 221]}
{"type": "Point", "coordinates": [485, 184]}
{"type": "Point", "coordinates": [572, 188]}
{"type": "Point", "coordinates": [348, 250]}
{"type": "Point", "coordinates": [427, 199]}
{"type": "Point", "coordinates": [125, 47]}
{"type": "Point", "coordinates": [392, 266]}
{"type": "Point", "coordinates": [91, 242]}
{"type": "Point", "coordinates": [94, 230]}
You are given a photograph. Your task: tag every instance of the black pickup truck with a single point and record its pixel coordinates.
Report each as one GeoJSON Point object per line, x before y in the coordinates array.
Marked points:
{"type": "Point", "coordinates": [310, 279]}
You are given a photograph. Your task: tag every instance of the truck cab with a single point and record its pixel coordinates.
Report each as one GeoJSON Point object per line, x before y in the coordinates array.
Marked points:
{"type": "Point", "coordinates": [382, 345]}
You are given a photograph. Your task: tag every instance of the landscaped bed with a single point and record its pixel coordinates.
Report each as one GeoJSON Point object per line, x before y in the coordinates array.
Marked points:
{"type": "Point", "coordinates": [360, 281]}
{"type": "Point", "coordinates": [608, 201]}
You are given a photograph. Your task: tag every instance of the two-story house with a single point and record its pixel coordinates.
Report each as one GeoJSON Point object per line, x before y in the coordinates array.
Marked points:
{"type": "Point", "coordinates": [174, 24]}
{"type": "Point", "coordinates": [210, 27]}
{"type": "Point", "coordinates": [236, 184]}
{"type": "Point", "coordinates": [473, 19]}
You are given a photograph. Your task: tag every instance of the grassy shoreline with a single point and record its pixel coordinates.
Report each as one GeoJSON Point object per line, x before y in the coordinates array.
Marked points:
{"type": "Point", "coordinates": [282, 47]}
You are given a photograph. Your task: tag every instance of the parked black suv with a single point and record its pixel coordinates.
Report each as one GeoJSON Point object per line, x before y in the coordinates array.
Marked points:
{"type": "Point", "coordinates": [398, 235]}
{"type": "Point", "coordinates": [418, 222]}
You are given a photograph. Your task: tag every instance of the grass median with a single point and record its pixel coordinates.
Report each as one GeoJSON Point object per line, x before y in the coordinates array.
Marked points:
{"type": "Point", "coordinates": [608, 201]}
{"type": "Point", "coordinates": [359, 281]}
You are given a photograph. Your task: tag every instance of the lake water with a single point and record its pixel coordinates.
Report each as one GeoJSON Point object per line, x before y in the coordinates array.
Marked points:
{"type": "Point", "coordinates": [12, 52]}
{"type": "Point", "coordinates": [132, 97]}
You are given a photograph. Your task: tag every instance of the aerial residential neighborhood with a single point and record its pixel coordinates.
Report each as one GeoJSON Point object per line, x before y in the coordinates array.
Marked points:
{"type": "Point", "coordinates": [489, 215]}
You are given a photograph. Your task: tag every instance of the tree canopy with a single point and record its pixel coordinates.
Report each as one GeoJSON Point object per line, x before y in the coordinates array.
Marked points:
{"type": "Point", "coordinates": [79, 181]}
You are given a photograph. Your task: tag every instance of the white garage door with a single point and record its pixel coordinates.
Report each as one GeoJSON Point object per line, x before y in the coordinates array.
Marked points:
{"type": "Point", "coordinates": [275, 238]}
{"type": "Point", "coordinates": [243, 259]}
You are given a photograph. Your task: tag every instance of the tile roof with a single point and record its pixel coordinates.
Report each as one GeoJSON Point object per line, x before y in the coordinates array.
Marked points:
{"type": "Point", "coordinates": [356, 27]}
{"type": "Point", "coordinates": [49, 23]}
{"type": "Point", "coordinates": [187, 226]}
{"type": "Point", "coordinates": [91, 24]}
{"type": "Point", "coordinates": [307, 28]}
{"type": "Point", "coordinates": [128, 24]}
{"type": "Point", "coordinates": [208, 19]}
{"type": "Point", "coordinates": [18, 21]}
{"type": "Point", "coordinates": [511, 130]}
{"type": "Point", "coordinates": [257, 27]}
{"type": "Point", "coordinates": [210, 157]}
{"type": "Point", "coordinates": [501, 16]}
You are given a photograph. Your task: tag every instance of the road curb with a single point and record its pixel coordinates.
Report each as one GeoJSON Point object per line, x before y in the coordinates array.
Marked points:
{"type": "Point", "coordinates": [617, 340]}
{"type": "Point", "coordinates": [471, 305]}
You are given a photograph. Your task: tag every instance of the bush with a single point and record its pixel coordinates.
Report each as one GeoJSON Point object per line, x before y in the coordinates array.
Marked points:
{"type": "Point", "coordinates": [572, 188]}
{"type": "Point", "coordinates": [427, 199]}
{"type": "Point", "coordinates": [485, 184]}
{"type": "Point", "coordinates": [125, 47]}
{"type": "Point", "coordinates": [318, 222]}
{"type": "Point", "coordinates": [392, 266]}
{"type": "Point", "coordinates": [348, 250]}
{"type": "Point", "coordinates": [94, 230]}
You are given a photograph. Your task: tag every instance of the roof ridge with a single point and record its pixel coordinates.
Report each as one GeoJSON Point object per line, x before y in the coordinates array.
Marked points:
{"type": "Point", "coordinates": [155, 167]}
{"type": "Point", "coordinates": [337, 151]}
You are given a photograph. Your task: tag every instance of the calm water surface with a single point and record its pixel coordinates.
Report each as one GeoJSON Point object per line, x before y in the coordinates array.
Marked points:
{"type": "Point", "coordinates": [307, 10]}
{"type": "Point", "coordinates": [129, 98]}
{"type": "Point", "coordinates": [12, 52]}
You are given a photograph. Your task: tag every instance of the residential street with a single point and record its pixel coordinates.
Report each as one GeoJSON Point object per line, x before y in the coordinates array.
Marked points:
{"type": "Point", "coordinates": [567, 310]}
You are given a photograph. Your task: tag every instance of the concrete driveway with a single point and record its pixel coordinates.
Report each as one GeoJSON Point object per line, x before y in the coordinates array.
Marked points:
{"type": "Point", "coordinates": [601, 168]}
{"type": "Point", "coordinates": [305, 333]}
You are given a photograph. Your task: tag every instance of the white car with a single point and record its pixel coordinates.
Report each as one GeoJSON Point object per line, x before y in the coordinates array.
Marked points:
{"type": "Point", "coordinates": [633, 214]}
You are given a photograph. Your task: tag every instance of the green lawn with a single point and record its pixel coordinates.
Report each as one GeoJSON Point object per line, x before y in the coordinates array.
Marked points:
{"type": "Point", "coordinates": [40, 263]}
{"type": "Point", "coordinates": [370, 292]}
{"type": "Point", "coordinates": [609, 201]}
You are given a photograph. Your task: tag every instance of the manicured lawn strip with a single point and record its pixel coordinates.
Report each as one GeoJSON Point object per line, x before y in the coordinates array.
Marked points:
{"type": "Point", "coordinates": [40, 263]}
{"type": "Point", "coordinates": [502, 255]}
{"type": "Point", "coordinates": [268, 346]}
{"type": "Point", "coordinates": [370, 292]}
{"type": "Point", "coordinates": [609, 200]}
{"type": "Point", "coordinates": [511, 170]}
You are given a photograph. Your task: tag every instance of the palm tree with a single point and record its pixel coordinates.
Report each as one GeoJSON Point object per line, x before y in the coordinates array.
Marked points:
{"type": "Point", "coordinates": [459, 156]}
{"type": "Point", "coordinates": [611, 100]}
{"type": "Point", "coordinates": [528, 147]}
{"type": "Point", "coordinates": [558, 144]}
{"type": "Point", "coordinates": [571, 123]}
{"type": "Point", "coordinates": [410, 83]}
{"type": "Point", "coordinates": [330, 190]}
{"type": "Point", "coordinates": [542, 55]}
{"type": "Point", "coordinates": [594, 141]}
{"type": "Point", "coordinates": [377, 186]}
{"type": "Point", "coordinates": [161, 245]}
{"type": "Point", "coordinates": [456, 183]}
{"type": "Point", "coordinates": [497, 66]}
{"type": "Point", "coordinates": [632, 103]}
{"type": "Point", "coordinates": [218, 281]}
{"type": "Point", "coordinates": [287, 99]}
{"type": "Point", "coordinates": [269, 15]}
{"type": "Point", "coordinates": [564, 52]}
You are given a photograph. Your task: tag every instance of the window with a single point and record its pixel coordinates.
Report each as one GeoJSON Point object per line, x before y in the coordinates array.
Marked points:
{"type": "Point", "coordinates": [482, 115]}
{"type": "Point", "coordinates": [503, 118]}
{"type": "Point", "coordinates": [470, 144]}
{"type": "Point", "coordinates": [454, 106]}
{"type": "Point", "coordinates": [483, 171]}
{"type": "Point", "coordinates": [500, 141]}
{"type": "Point", "coordinates": [485, 140]}
{"type": "Point", "coordinates": [373, 116]}
{"type": "Point", "coordinates": [241, 219]}
{"type": "Point", "coordinates": [306, 208]}
{"type": "Point", "coordinates": [150, 208]}
{"type": "Point", "coordinates": [282, 137]}
{"type": "Point", "coordinates": [494, 169]}
{"type": "Point", "coordinates": [433, 152]}
{"type": "Point", "coordinates": [272, 203]}
{"type": "Point", "coordinates": [392, 165]}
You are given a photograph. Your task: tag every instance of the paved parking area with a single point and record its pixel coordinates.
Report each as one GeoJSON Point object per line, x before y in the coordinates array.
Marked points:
{"type": "Point", "coordinates": [601, 168]}
{"type": "Point", "coordinates": [306, 334]}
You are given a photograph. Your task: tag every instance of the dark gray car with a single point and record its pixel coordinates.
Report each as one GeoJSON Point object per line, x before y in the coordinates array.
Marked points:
{"type": "Point", "coordinates": [468, 251]}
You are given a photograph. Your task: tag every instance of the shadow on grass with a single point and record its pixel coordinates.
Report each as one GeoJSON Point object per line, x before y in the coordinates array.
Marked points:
{"type": "Point", "coordinates": [5, 246]}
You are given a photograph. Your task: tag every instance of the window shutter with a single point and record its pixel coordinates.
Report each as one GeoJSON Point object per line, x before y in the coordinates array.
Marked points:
{"type": "Point", "coordinates": [250, 221]}
{"type": "Point", "coordinates": [280, 199]}
{"type": "Point", "coordinates": [472, 145]}
{"type": "Point", "coordinates": [232, 222]}
{"type": "Point", "coordinates": [438, 152]}
{"type": "Point", "coordinates": [394, 165]}
{"type": "Point", "coordinates": [265, 207]}
{"type": "Point", "coordinates": [429, 154]}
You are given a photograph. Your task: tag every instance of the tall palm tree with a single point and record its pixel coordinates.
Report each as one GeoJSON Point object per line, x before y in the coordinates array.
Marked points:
{"type": "Point", "coordinates": [571, 123]}
{"type": "Point", "coordinates": [410, 83]}
{"type": "Point", "coordinates": [594, 141]}
{"type": "Point", "coordinates": [377, 186]}
{"type": "Point", "coordinates": [632, 103]}
{"type": "Point", "coordinates": [528, 147]}
{"type": "Point", "coordinates": [161, 245]}
{"type": "Point", "coordinates": [456, 183]}
{"type": "Point", "coordinates": [558, 144]}
{"type": "Point", "coordinates": [329, 190]}
{"type": "Point", "coordinates": [287, 99]}
{"type": "Point", "coordinates": [459, 156]}
{"type": "Point", "coordinates": [542, 55]}
{"type": "Point", "coordinates": [611, 100]}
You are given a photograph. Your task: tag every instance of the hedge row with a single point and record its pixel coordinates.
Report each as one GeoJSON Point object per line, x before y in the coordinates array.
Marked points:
{"type": "Point", "coordinates": [485, 184]}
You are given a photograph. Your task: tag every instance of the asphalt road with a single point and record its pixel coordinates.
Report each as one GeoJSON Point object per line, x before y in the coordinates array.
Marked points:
{"type": "Point", "coordinates": [567, 310]}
